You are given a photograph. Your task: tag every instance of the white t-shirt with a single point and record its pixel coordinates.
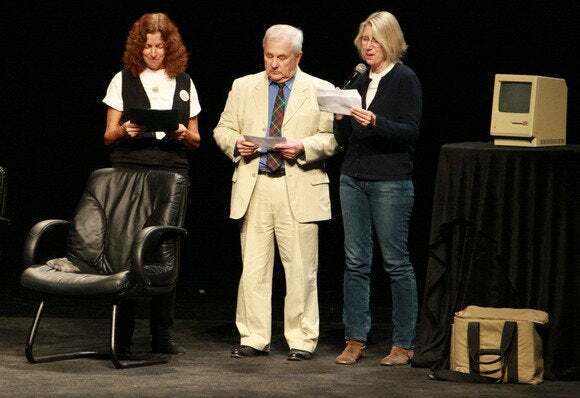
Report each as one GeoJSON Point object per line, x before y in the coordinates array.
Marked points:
{"type": "Point", "coordinates": [374, 83]}
{"type": "Point", "coordinates": [160, 89]}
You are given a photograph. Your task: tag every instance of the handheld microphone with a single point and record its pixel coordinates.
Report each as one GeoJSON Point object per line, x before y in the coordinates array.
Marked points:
{"type": "Point", "coordinates": [358, 70]}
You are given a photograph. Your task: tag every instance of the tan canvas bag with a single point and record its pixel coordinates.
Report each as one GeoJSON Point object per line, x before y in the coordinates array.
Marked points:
{"type": "Point", "coordinates": [499, 343]}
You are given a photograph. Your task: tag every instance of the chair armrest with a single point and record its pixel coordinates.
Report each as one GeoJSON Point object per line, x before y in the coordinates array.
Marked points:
{"type": "Point", "coordinates": [4, 221]}
{"type": "Point", "coordinates": [148, 238]}
{"type": "Point", "coordinates": [37, 233]}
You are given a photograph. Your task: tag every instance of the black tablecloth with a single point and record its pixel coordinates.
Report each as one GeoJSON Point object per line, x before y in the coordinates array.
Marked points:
{"type": "Point", "coordinates": [505, 232]}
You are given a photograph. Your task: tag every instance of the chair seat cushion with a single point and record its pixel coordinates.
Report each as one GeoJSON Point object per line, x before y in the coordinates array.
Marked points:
{"type": "Point", "coordinates": [48, 280]}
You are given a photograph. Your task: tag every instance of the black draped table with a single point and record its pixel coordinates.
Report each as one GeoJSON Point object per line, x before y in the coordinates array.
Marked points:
{"type": "Point", "coordinates": [505, 232]}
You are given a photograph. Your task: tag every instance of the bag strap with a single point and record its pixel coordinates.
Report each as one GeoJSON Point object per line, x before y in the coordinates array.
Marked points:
{"type": "Point", "coordinates": [473, 346]}
{"type": "Point", "coordinates": [506, 354]}
{"type": "Point", "coordinates": [509, 350]}
{"type": "Point", "coordinates": [475, 352]}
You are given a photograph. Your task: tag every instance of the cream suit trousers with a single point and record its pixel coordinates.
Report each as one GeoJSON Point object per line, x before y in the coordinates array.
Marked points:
{"type": "Point", "coordinates": [269, 218]}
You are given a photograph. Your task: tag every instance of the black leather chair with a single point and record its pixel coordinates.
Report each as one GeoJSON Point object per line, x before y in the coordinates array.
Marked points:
{"type": "Point", "coordinates": [124, 239]}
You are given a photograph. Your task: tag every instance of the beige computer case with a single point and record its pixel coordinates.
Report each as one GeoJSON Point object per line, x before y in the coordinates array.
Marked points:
{"type": "Point", "coordinates": [543, 125]}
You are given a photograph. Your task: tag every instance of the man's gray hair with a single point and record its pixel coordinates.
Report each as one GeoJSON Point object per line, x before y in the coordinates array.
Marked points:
{"type": "Point", "coordinates": [286, 33]}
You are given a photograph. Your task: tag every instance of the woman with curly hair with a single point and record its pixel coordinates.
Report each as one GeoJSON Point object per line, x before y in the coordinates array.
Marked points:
{"type": "Point", "coordinates": [153, 77]}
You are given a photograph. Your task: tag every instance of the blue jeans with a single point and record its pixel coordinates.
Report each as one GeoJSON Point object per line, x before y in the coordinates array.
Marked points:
{"type": "Point", "coordinates": [384, 206]}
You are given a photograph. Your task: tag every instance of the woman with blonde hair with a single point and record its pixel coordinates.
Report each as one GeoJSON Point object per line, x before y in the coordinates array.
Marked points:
{"type": "Point", "coordinates": [376, 187]}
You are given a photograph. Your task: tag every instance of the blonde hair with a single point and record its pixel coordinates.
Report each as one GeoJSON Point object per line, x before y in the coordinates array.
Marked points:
{"type": "Point", "coordinates": [387, 32]}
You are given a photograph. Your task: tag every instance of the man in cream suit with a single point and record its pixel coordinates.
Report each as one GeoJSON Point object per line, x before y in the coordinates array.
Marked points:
{"type": "Point", "coordinates": [278, 195]}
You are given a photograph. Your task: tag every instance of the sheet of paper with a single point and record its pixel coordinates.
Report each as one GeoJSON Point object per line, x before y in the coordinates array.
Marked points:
{"type": "Point", "coordinates": [338, 101]}
{"type": "Point", "coordinates": [265, 143]}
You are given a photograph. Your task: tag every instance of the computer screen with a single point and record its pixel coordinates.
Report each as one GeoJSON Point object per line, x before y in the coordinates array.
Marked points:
{"type": "Point", "coordinates": [515, 97]}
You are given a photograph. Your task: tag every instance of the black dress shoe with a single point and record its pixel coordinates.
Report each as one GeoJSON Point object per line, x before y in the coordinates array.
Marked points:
{"type": "Point", "coordinates": [299, 355]}
{"type": "Point", "coordinates": [167, 347]}
{"type": "Point", "coordinates": [240, 351]}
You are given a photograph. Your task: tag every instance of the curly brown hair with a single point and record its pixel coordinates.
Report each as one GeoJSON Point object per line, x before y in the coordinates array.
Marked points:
{"type": "Point", "coordinates": [175, 61]}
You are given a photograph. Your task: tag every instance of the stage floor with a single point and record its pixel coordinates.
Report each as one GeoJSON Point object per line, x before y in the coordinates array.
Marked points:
{"type": "Point", "coordinates": [207, 370]}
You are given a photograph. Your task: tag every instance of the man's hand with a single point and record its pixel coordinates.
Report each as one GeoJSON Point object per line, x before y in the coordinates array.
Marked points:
{"type": "Point", "coordinates": [291, 149]}
{"type": "Point", "coordinates": [246, 148]}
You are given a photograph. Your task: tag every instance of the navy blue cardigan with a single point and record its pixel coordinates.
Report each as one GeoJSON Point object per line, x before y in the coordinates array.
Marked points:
{"type": "Point", "coordinates": [383, 152]}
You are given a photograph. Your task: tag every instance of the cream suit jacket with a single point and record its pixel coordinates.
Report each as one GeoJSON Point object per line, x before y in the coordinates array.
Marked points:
{"type": "Point", "coordinates": [246, 112]}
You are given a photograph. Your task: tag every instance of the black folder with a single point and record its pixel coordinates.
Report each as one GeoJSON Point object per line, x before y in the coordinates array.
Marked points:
{"type": "Point", "coordinates": [154, 120]}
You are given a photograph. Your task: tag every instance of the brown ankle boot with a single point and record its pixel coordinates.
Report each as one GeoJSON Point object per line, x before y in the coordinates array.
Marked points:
{"type": "Point", "coordinates": [352, 353]}
{"type": "Point", "coordinates": [397, 357]}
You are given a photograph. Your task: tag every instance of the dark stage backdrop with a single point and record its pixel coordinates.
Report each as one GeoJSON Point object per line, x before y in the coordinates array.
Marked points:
{"type": "Point", "coordinates": [59, 58]}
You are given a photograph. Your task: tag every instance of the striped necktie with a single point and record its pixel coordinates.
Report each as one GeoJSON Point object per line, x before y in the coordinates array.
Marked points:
{"type": "Point", "coordinates": [274, 159]}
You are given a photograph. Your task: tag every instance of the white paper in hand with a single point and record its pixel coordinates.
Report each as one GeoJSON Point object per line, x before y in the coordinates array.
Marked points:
{"type": "Point", "coordinates": [338, 101]}
{"type": "Point", "coordinates": [265, 143]}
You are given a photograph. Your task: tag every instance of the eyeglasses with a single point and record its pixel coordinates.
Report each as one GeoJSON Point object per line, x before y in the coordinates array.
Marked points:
{"type": "Point", "coordinates": [365, 40]}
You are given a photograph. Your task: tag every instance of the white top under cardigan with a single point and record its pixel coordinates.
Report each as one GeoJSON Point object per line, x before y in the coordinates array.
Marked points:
{"type": "Point", "coordinates": [374, 83]}
{"type": "Point", "coordinates": [160, 89]}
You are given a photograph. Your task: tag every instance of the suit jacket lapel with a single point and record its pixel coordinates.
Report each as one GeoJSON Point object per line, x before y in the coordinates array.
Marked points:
{"type": "Point", "coordinates": [260, 98]}
{"type": "Point", "coordinates": [297, 97]}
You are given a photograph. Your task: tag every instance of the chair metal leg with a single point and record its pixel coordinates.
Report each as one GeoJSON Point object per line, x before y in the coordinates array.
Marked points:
{"type": "Point", "coordinates": [131, 362]}
{"type": "Point", "coordinates": [32, 334]}
{"type": "Point", "coordinates": [29, 351]}
{"type": "Point", "coordinates": [112, 355]}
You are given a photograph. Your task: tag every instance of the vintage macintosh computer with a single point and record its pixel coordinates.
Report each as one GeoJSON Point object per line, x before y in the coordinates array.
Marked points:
{"type": "Point", "coordinates": [529, 111]}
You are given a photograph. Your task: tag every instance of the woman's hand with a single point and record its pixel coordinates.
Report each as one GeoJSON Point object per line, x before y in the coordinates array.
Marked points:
{"type": "Point", "coordinates": [131, 130]}
{"type": "Point", "coordinates": [364, 117]}
{"type": "Point", "coordinates": [117, 131]}
{"type": "Point", "coordinates": [189, 135]}
{"type": "Point", "coordinates": [181, 133]}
